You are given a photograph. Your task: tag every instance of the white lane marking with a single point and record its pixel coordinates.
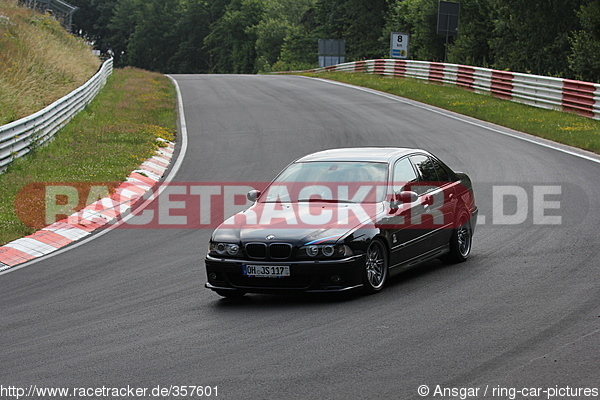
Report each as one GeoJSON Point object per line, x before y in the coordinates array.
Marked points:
{"type": "Point", "coordinates": [457, 117]}
{"type": "Point", "coordinates": [162, 186]}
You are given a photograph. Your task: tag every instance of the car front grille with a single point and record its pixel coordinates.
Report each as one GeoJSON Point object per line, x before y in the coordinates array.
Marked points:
{"type": "Point", "coordinates": [256, 250]}
{"type": "Point", "coordinates": [280, 251]}
{"type": "Point", "coordinates": [275, 251]}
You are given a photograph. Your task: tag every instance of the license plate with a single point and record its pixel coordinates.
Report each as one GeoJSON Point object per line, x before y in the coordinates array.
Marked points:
{"type": "Point", "coordinates": [266, 271]}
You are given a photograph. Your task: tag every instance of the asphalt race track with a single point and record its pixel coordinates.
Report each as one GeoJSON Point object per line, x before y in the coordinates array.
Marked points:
{"type": "Point", "coordinates": [129, 308]}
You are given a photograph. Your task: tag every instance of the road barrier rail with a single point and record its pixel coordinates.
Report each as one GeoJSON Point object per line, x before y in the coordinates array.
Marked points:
{"type": "Point", "coordinates": [568, 95]}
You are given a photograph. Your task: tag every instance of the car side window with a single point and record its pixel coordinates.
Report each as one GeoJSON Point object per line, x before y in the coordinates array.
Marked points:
{"type": "Point", "coordinates": [427, 172]}
{"type": "Point", "coordinates": [404, 174]}
{"type": "Point", "coordinates": [425, 167]}
{"type": "Point", "coordinates": [442, 173]}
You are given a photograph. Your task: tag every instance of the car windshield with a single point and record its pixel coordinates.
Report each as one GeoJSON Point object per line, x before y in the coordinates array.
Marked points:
{"type": "Point", "coordinates": [331, 181]}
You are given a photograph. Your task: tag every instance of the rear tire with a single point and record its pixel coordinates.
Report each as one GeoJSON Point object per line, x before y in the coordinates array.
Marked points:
{"type": "Point", "coordinates": [461, 240]}
{"type": "Point", "coordinates": [376, 267]}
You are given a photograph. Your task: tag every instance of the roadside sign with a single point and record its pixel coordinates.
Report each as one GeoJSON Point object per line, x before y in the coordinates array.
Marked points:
{"type": "Point", "coordinates": [399, 45]}
{"type": "Point", "coordinates": [331, 52]}
{"type": "Point", "coordinates": [448, 14]}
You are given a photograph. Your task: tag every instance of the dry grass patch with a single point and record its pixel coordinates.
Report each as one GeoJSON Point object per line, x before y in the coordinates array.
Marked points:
{"type": "Point", "coordinates": [39, 61]}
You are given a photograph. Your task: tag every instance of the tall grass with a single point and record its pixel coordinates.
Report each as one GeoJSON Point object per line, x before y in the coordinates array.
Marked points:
{"type": "Point", "coordinates": [39, 61]}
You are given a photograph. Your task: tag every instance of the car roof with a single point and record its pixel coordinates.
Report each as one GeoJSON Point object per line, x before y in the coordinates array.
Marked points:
{"type": "Point", "coordinates": [367, 154]}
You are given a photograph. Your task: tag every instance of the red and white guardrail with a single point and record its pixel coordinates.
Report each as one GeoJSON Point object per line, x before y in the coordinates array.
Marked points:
{"type": "Point", "coordinates": [560, 94]}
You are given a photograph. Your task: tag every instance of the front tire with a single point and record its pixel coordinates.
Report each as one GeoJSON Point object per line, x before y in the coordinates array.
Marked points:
{"type": "Point", "coordinates": [376, 267]}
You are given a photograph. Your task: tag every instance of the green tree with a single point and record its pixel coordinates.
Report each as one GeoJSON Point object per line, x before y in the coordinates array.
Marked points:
{"type": "Point", "coordinates": [546, 37]}
{"type": "Point", "coordinates": [533, 36]}
{"type": "Point", "coordinates": [584, 60]}
{"type": "Point", "coordinates": [299, 51]}
{"type": "Point", "coordinates": [270, 36]}
{"type": "Point", "coordinates": [475, 29]}
{"type": "Point", "coordinates": [232, 40]}
{"type": "Point", "coordinates": [92, 19]}
{"type": "Point", "coordinates": [358, 22]}
{"type": "Point", "coordinates": [190, 30]}
{"type": "Point", "coordinates": [282, 19]}
{"type": "Point", "coordinates": [121, 27]}
{"type": "Point", "coordinates": [154, 40]}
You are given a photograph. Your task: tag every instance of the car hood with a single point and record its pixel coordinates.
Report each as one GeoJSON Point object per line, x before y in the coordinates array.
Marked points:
{"type": "Point", "coordinates": [296, 223]}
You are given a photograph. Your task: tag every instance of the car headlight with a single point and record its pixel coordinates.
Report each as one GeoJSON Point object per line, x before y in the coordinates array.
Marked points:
{"type": "Point", "coordinates": [312, 250]}
{"type": "Point", "coordinates": [224, 249]}
{"type": "Point", "coordinates": [325, 251]}
{"type": "Point", "coordinates": [328, 250]}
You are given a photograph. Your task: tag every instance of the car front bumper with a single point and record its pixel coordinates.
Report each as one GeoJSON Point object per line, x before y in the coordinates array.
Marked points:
{"type": "Point", "coordinates": [305, 276]}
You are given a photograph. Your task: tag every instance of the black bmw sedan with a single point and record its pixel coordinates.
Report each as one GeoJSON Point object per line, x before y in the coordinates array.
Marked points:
{"type": "Point", "coordinates": [344, 219]}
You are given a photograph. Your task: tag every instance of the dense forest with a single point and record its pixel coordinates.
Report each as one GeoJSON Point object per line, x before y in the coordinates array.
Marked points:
{"type": "Point", "coordinates": [546, 37]}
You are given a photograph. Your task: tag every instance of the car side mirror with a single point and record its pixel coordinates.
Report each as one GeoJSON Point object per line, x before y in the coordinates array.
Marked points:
{"type": "Point", "coordinates": [253, 195]}
{"type": "Point", "coordinates": [403, 197]}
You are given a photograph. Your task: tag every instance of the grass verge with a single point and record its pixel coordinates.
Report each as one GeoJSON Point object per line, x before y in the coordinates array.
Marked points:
{"type": "Point", "coordinates": [570, 129]}
{"type": "Point", "coordinates": [103, 143]}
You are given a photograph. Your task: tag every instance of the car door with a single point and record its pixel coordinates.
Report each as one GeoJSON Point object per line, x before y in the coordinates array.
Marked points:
{"type": "Point", "coordinates": [437, 192]}
{"type": "Point", "coordinates": [407, 240]}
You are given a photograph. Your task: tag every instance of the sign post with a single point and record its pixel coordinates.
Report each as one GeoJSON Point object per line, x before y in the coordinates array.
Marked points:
{"type": "Point", "coordinates": [399, 45]}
